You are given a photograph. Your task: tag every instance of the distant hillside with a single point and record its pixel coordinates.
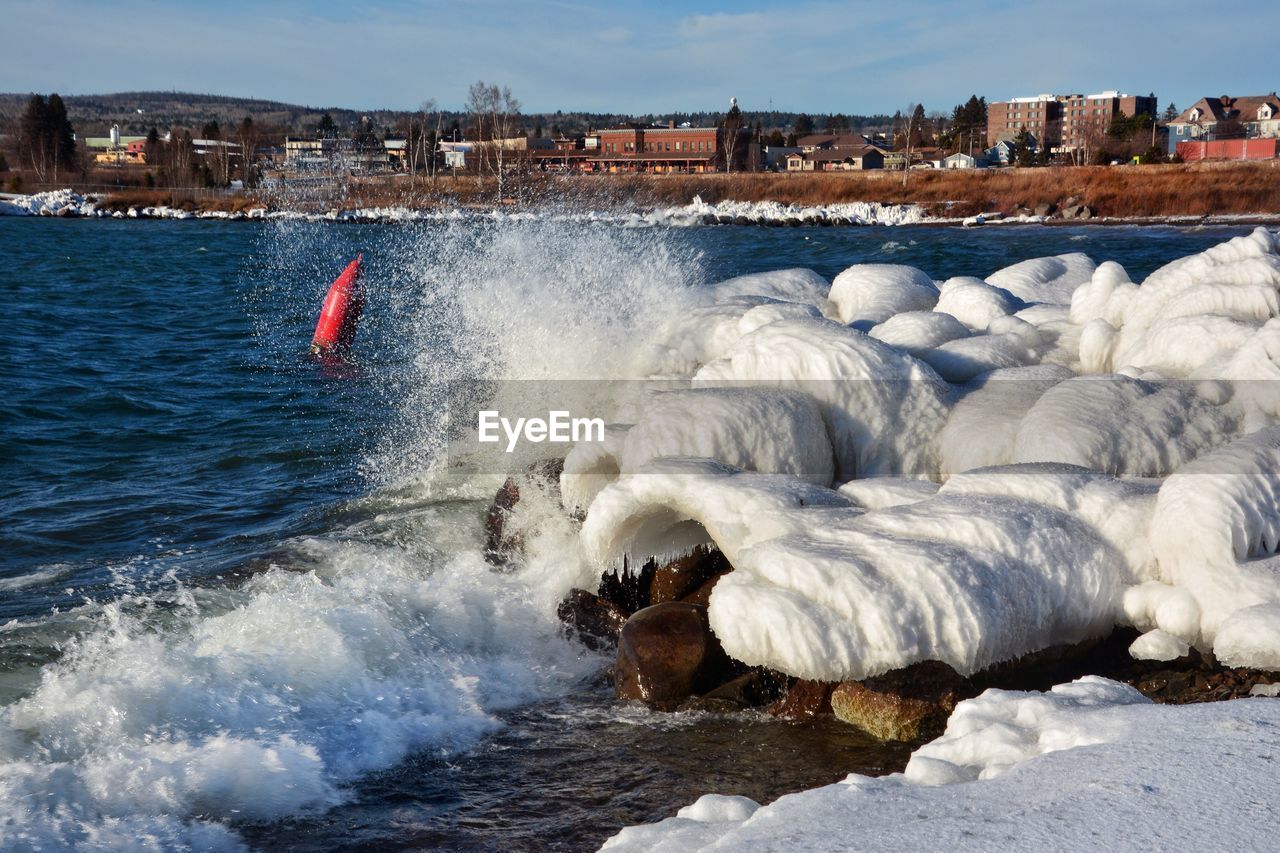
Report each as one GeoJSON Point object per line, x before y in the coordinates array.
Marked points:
{"type": "Point", "coordinates": [136, 112]}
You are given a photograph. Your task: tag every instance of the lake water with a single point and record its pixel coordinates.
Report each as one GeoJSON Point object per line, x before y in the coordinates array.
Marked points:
{"type": "Point", "coordinates": [240, 604]}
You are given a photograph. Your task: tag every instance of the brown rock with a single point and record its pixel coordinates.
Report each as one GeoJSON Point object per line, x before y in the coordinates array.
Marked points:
{"type": "Point", "coordinates": [702, 595]}
{"type": "Point", "coordinates": [804, 700]}
{"type": "Point", "coordinates": [749, 690]}
{"type": "Point", "coordinates": [667, 653]}
{"type": "Point", "coordinates": [686, 574]}
{"type": "Point", "coordinates": [904, 705]}
{"type": "Point", "coordinates": [501, 544]}
{"type": "Point", "coordinates": [596, 621]}
{"type": "Point", "coordinates": [498, 546]}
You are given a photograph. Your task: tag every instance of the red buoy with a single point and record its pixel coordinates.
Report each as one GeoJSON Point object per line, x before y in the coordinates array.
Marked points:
{"type": "Point", "coordinates": [337, 327]}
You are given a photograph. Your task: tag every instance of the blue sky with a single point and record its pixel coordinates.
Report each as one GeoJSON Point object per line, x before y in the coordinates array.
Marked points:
{"type": "Point", "coordinates": [637, 57]}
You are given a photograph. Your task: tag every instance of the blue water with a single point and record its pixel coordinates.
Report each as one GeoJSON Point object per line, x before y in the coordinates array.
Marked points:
{"type": "Point", "coordinates": [163, 431]}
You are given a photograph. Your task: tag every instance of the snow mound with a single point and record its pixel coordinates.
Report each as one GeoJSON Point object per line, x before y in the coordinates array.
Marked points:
{"type": "Point", "coordinates": [917, 332]}
{"type": "Point", "coordinates": [1215, 533]}
{"type": "Point", "coordinates": [755, 429]}
{"type": "Point", "coordinates": [872, 293]}
{"type": "Point", "coordinates": [1060, 770]}
{"type": "Point", "coordinates": [823, 590]}
{"type": "Point", "coordinates": [790, 285]}
{"type": "Point", "coordinates": [1050, 280]}
{"type": "Point", "coordinates": [883, 408]}
{"type": "Point", "coordinates": [1188, 315]}
{"type": "Point", "coordinates": [975, 303]}
{"type": "Point", "coordinates": [672, 505]}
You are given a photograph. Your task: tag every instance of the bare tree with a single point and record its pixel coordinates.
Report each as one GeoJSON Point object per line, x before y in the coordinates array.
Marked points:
{"type": "Point", "coordinates": [496, 114]}
{"type": "Point", "coordinates": [912, 115]}
{"type": "Point", "coordinates": [247, 134]}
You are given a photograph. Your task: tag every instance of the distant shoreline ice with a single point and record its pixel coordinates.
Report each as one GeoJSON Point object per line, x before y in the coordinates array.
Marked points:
{"type": "Point", "coordinates": [67, 203]}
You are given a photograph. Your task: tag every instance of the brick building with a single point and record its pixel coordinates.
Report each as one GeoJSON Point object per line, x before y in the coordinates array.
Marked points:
{"type": "Point", "coordinates": [640, 148]}
{"type": "Point", "coordinates": [1040, 116]}
{"type": "Point", "coordinates": [1063, 122]}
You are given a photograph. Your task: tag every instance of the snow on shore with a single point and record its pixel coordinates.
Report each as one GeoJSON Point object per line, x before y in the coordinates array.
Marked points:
{"type": "Point", "coordinates": [1083, 489]}
{"type": "Point", "coordinates": [1088, 765]}
{"type": "Point", "coordinates": [698, 212]}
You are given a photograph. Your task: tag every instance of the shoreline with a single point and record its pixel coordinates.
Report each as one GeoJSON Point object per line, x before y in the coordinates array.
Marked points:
{"type": "Point", "coordinates": [67, 204]}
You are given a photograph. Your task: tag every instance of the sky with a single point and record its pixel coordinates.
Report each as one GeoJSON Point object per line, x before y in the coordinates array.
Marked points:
{"type": "Point", "coordinates": [641, 57]}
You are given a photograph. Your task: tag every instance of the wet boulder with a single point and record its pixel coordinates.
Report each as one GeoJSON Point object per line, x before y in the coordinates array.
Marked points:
{"type": "Point", "coordinates": [904, 705]}
{"type": "Point", "coordinates": [750, 690]}
{"type": "Point", "coordinates": [596, 622]}
{"type": "Point", "coordinates": [803, 700]}
{"type": "Point", "coordinates": [681, 577]}
{"type": "Point", "coordinates": [501, 542]}
{"type": "Point", "coordinates": [667, 653]}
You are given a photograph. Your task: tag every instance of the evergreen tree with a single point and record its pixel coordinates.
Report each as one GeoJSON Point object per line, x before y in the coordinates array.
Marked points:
{"type": "Point", "coordinates": [46, 140]}
{"type": "Point", "coordinates": [1171, 112]}
{"type": "Point", "coordinates": [326, 129]}
{"type": "Point", "coordinates": [803, 125]}
{"type": "Point", "coordinates": [32, 133]}
{"type": "Point", "coordinates": [1024, 152]}
{"type": "Point", "coordinates": [62, 137]}
{"type": "Point", "coordinates": [919, 125]}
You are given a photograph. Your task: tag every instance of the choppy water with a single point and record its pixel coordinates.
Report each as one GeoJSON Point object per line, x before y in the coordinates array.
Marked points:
{"type": "Point", "coordinates": [235, 607]}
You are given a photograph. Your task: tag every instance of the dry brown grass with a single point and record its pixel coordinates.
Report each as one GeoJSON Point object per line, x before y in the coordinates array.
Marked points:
{"type": "Point", "coordinates": [1130, 191]}
{"type": "Point", "coordinates": [1121, 191]}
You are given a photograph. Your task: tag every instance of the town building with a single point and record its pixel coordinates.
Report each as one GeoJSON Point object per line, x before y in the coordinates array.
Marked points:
{"type": "Point", "coordinates": [1063, 122]}
{"type": "Point", "coordinates": [960, 160]}
{"type": "Point", "coordinates": [1225, 117]}
{"type": "Point", "coordinates": [640, 148]}
{"type": "Point", "coordinates": [847, 159]}
{"type": "Point", "coordinates": [829, 152]}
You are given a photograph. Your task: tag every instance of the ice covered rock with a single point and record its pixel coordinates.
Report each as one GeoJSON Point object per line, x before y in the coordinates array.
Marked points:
{"type": "Point", "coordinates": [756, 429]}
{"type": "Point", "coordinates": [884, 492]}
{"type": "Point", "coordinates": [590, 466]}
{"type": "Point", "coordinates": [1121, 426]}
{"type": "Point", "coordinates": [918, 332]}
{"type": "Point", "coordinates": [963, 359]}
{"type": "Point", "coordinates": [872, 293]}
{"type": "Point", "coordinates": [883, 408]}
{"type": "Point", "coordinates": [788, 285]}
{"type": "Point", "coordinates": [1159, 645]}
{"type": "Point", "coordinates": [1188, 313]}
{"type": "Point", "coordinates": [975, 303]}
{"type": "Point", "coordinates": [1051, 279]}
{"type": "Point", "coordinates": [984, 422]}
{"type": "Point", "coordinates": [1215, 534]}
{"type": "Point", "coordinates": [673, 505]}
{"type": "Point", "coordinates": [824, 591]}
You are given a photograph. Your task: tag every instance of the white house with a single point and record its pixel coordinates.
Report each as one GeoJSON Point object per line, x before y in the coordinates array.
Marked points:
{"type": "Point", "coordinates": [959, 160]}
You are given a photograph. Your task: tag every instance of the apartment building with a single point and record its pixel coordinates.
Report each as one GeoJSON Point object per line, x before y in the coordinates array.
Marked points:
{"type": "Point", "coordinates": [1063, 122]}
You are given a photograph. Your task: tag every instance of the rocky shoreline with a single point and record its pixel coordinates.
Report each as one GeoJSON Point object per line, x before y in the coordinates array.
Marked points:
{"type": "Point", "coordinates": [66, 204]}
{"type": "Point", "coordinates": [654, 620]}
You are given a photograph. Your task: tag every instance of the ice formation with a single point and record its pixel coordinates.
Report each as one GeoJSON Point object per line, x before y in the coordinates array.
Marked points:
{"type": "Point", "coordinates": [1088, 761]}
{"type": "Point", "coordinates": [1019, 462]}
{"type": "Point", "coordinates": [872, 293]}
{"type": "Point", "coordinates": [68, 203]}
{"type": "Point", "coordinates": [757, 429]}
{"type": "Point", "coordinates": [881, 406]}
